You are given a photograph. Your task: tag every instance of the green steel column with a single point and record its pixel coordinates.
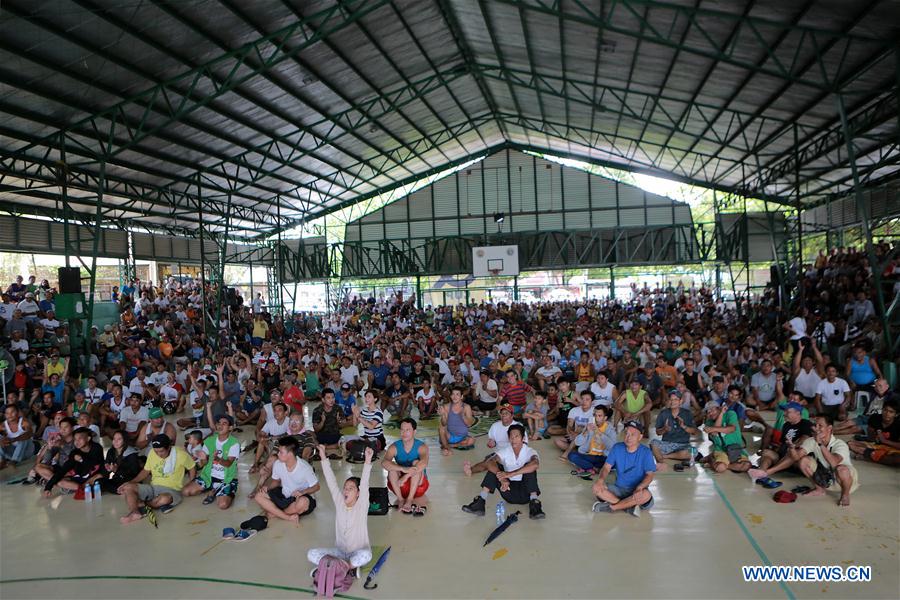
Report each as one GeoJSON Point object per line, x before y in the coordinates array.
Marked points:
{"type": "Point", "coordinates": [612, 283]}
{"type": "Point", "coordinates": [800, 270]}
{"type": "Point", "coordinates": [419, 291]}
{"type": "Point", "coordinates": [202, 261]}
{"type": "Point", "coordinates": [516, 288]}
{"type": "Point", "coordinates": [863, 210]}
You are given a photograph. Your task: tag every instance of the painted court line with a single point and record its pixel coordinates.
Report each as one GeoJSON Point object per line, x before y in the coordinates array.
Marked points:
{"type": "Point", "coordinates": [270, 586]}
{"type": "Point", "coordinates": [762, 555]}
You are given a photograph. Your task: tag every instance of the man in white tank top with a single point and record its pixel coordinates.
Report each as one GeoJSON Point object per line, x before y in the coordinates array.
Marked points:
{"type": "Point", "coordinates": [807, 372]}
{"type": "Point", "coordinates": [15, 443]}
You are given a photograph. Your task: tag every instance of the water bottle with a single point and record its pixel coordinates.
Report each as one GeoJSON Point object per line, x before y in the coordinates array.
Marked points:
{"type": "Point", "coordinates": [87, 492]}
{"type": "Point", "coordinates": [97, 490]}
{"type": "Point", "coordinates": [693, 456]}
{"type": "Point", "coordinates": [501, 512]}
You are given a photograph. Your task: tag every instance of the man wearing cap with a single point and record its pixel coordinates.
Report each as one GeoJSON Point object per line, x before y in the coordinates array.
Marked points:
{"type": "Point", "coordinates": [166, 466]}
{"type": "Point", "coordinates": [794, 432]}
{"type": "Point", "coordinates": [156, 425]}
{"type": "Point", "coordinates": [28, 307]}
{"type": "Point", "coordinates": [724, 431]}
{"type": "Point", "coordinates": [345, 399]}
{"type": "Point", "coordinates": [218, 467]}
{"type": "Point", "coordinates": [675, 426]}
{"type": "Point", "coordinates": [635, 468]}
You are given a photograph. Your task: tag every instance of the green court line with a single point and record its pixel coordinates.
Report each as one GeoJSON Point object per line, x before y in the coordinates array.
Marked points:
{"type": "Point", "coordinates": [762, 555]}
{"type": "Point", "coordinates": [270, 586]}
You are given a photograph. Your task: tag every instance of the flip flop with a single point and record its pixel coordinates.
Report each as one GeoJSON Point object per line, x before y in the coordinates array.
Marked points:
{"type": "Point", "coordinates": [209, 500]}
{"type": "Point", "coordinates": [228, 533]}
{"type": "Point", "coordinates": [768, 483]}
{"type": "Point", "coordinates": [801, 489]}
{"type": "Point", "coordinates": [408, 512]}
{"type": "Point", "coordinates": [419, 511]}
{"type": "Point", "coordinates": [244, 534]}
{"type": "Point", "coordinates": [464, 448]}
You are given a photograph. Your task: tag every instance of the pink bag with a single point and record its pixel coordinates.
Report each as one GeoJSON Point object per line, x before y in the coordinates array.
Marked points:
{"type": "Point", "coordinates": [332, 576]}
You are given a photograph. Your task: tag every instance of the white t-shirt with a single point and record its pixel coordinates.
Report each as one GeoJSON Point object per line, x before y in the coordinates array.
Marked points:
{"type": "Point", "coordinates": [276, 429]}
{"type": "Point", "coordinates": [136, 386]}
{"type": "Point", "coordinates": [421, 395]}
{"type": "Point", "coordinates": [550, 371]}
{"type": "Point", "coordinates": [133, 419]}
{"type": "Point", "coordinates": [218, 471]}
{"type": "Point", "coordinates": [581, 417]}
{"type": "Point", "coordinates": [117, 408]}
{"type": "Point", "coordinates": [500, 433]}
{"type": "Point", "coordinates": [158, 378]}
{"type": "Point", "coordinates": [170, 393]}
{"type": "Point", "coordinates": [507, 457]}
{"type": "Point", "coordinates": [94, 396]}
{"type": "Point", "coordinates": [832, 392]}
{"type": "Point", "coordinates": [301, 478]}
{"type": "Point", "coordinates": [603, 395]}
{"type": "Point", "coordinates": [349, 374]}
{"type": "Point", "coordinates": [807, 383]}
{"type": "Point", "coordinates": [482, 391]}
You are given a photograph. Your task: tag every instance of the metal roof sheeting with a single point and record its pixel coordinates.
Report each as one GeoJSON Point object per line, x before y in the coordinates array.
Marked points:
{"type": "Point", "coordinates": [300, 107]}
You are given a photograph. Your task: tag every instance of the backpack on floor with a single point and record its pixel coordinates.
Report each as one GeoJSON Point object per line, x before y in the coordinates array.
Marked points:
{"type": "Point", "coordinates": [379, 502]}
{"type": "Point", "coordinates": [332, 576]}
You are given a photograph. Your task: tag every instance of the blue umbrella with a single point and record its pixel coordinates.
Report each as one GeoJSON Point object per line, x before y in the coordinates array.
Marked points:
{"type": "Point", "coordinates": [378, 564]}
{"type": "Point", "coordinates": [502, 527]}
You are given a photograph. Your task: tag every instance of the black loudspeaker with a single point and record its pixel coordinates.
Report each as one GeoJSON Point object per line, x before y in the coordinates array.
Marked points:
{"type": "Point", "coordinates": [69, 280]}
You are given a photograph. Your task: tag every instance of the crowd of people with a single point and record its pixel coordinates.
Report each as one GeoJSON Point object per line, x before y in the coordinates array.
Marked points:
{"type": "Point", "coordinates": [670, 378]}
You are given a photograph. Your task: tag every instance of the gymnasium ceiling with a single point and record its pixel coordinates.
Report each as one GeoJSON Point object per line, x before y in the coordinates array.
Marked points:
{"type": "Point", "coordinates": [275, 112]}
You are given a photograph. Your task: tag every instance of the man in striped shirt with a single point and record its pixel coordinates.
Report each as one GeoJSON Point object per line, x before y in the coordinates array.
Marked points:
{"type": "Point", "coordinates": [515, 392]}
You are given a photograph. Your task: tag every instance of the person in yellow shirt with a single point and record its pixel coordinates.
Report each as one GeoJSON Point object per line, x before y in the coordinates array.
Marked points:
{"type": "Point", "coordinates": [165, 467]}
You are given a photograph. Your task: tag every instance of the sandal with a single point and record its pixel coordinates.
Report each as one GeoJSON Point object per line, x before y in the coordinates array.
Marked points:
{"type": "Point", "coordinates": [419, 511]}
{"type": "Point", "coordinates": [209, 500]}
{"type": "Point", "coordinates": [768, 483]}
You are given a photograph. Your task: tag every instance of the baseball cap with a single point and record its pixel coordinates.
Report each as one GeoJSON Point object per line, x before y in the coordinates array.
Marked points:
{"type": "Point", "coordinates": [794, 406]}
{"type": "Point", "coordinates": [635, 425]}
{"type": "Point", "coordinates": [784, 497]}
{"type": "Point", "coordinates": [505, 407]}
{"type": "Point", "coordinates": [161, 441]}
{"type": "Point", "coordinates": [675, 393]}
{"type": "Point", "coordinates": [345, 386]}
{"type": "Point", "coordinates": [710, 406]}
{"type": "Point", "coordinates": [156, 413]}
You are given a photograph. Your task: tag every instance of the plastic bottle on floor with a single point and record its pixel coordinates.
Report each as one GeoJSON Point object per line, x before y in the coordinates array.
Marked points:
{"type": "Point", "coordinates": [693, 456]}
{"type": "Point", "coordinates": [97, 491]}
{"type": "Point", "coordinates": [87, 493]}
{"type": "Point", "coordinates": [501, 512]}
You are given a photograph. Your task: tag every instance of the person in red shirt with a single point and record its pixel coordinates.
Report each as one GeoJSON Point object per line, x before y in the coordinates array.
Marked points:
{"type": "Point", "coordinates": [293, 395]}
{"type": "Point", "coordinates": [515, 392]}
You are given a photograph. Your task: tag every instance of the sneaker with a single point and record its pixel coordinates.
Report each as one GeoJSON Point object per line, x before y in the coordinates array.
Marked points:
{"type": "Point", "coordinates": [312, 574]}
{"type": "Point", "coordinates": [634, 511]}
{"type": "Point", "coordinates": [166, 508]}
{"type": "Point", "coordinates": [601, 507]}
{"type": "Point", "coordinates": [357, 573]}
{"type": "Point", "coordinates": [534, 510]}
{"type": "Point", "coordinates": [475, 507]}
{"type": "Point", "coordinates": [244, 534]}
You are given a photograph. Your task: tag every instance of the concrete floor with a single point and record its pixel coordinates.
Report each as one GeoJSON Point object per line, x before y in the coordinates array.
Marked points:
{"type": "Point", "coordinates": [691, 545]}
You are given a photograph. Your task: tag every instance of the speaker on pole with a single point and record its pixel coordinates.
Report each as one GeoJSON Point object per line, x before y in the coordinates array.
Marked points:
{"type": "Point", "coordinates": [69, 280]}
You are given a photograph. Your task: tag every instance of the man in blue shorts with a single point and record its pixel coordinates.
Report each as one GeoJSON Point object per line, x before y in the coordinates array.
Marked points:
{"type": "Point", "coordinates": [635, 468]}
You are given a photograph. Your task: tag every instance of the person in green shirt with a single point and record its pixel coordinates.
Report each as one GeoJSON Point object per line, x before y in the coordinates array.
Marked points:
{"type": "Point", "coordinates": [634, 404]}
{"type": "Point", "coordinates": [166, 466]}
{"type": "Point", "coordinates": [724, 433]}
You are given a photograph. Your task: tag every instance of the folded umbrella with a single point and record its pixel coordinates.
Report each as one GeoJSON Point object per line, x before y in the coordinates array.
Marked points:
{"type": "Point", "coordinates": [502, 527]}
{"type": "Point", "coordinates": [378, 564]}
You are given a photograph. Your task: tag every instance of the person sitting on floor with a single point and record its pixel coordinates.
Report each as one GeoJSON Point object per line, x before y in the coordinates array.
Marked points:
{"type": "Point", "coordinates": [633, 405]}
{"type": "Point", "coordinates": [16, 445]}
{"type": "Point", "coordinates": [122, 464]}
{"type": "Point", "coordinates": [859, 424]}
{"type": "Point", "coordinates": [832, 395]}
{"type": "Point", "coordinates": [406, 461]}
{"type": "Point", "coordinates": [724, 430]}
{"type": "Point", "coordinates": [218, 469]}
{"type": "Point", "coordinates": [514, 471]}
{"type": "Point", "coordinates": [771, 438]}
{"type": "Point", "coordinates": [306, 447]}
{"type": "Point", "coordinates": [166, 466]}
{"type": "Point", "coordinates": [288, 494]}
{"type": "Point", "coordinates": [635, 469]}
{"type": "Point", "coordinates": [133, 418]}
{"type": "Point", "coordinates": [456, 418]}
{"type": "Point", "coordinates": [594, 443]}
{"type": "Point", "coordinates": [536, 415]}
{"type": "Point", "coordinates": [274, 428]}
{"type": "Point", "coordinates": [327, 420]}
{"type": "Point", "coordinates": [675, 425]}
{"type": "Point", "coordinates": [578, 419]}
{"type": "Point", "coordinates": [498, 437]}
{"type": "Point", "coordinates": [426, 400]}
{"type": "Point", "coordinates": [793, 433]}
{"type": "Point", "coordinates": [84, 466]}
{"type": "Point", "coordinates": [55, 452]}
{"type": "Point", "coordinates": [827, 462]}
{"type": "Point", "coordinates": [351, 503]}
{"type": "Point", "coordinates": [883, 439]}
{"type": "Point", "coordinates": [154, 427]}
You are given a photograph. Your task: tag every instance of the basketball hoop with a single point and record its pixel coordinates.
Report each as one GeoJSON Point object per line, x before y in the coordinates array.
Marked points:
{"type": "Point", "coordinates": [494, 272]}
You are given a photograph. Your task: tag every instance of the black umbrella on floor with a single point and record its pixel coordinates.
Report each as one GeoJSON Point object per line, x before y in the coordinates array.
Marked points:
{"type": "Point", "coordinates": [502, 527]}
